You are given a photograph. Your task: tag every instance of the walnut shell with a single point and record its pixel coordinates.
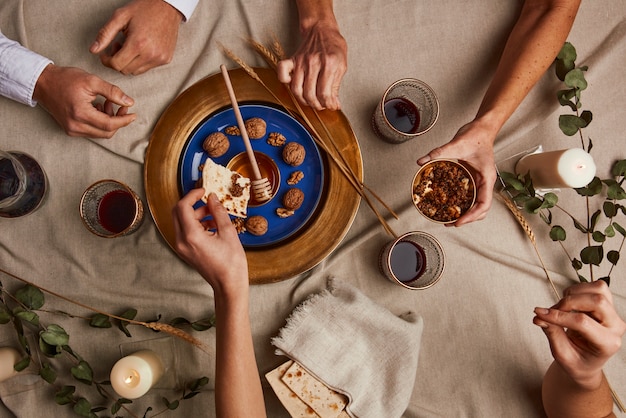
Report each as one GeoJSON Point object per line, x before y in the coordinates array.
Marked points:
{"type": "Point", "coordinates": [216, 144]}
{"type": "Point", "coordinates": [293, 154]}
{"type": "Point", "coordinates": [256, 225]}
{"type": "Point", "coordinates": [255, 127]}
{"type": "Point", "coordinates": [293, 198]}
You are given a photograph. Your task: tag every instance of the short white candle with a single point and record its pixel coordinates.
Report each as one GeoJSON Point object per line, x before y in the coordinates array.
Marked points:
{"type": "Point", "coordinates": [132, 376]}
{"type": "Point", "coordinates": [8, 357]}
{"type": "Point", "coordinates": [554, 169]}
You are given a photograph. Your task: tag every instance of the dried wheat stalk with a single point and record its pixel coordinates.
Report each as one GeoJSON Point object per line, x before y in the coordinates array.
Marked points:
{"type": "Point", "coordinates": [531, 236]}
{"type": "Point", "coordinates": [152, 325]}
{"type": "Point", "coordinates": [272, 57]}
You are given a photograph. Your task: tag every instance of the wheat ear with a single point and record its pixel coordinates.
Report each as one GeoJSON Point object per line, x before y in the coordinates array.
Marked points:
{"type": "Point", "coordinates": [531, 236]}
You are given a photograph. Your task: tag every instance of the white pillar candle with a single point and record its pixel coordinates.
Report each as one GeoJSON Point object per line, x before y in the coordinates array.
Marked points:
{"type": "Point", "coordinates": [554, 169]}
{"type": "Point", "coordinates": [132, 376]}
{"type": "Point", "coordinates": [8, 357]}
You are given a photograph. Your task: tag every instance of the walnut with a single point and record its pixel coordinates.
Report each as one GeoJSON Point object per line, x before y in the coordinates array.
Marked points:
{"type": "Point", "coordinates": [293, 154]}
{"type": "Point", "coordinates": [276, 139]}
{"type": "Point", "coordinates": [239, 225]}
{"type": "Point", "coordinates": [293, 198]}
{"type": "Point", "coordinates": [255, 128]}
{"type": "Point", "coordinates": [232, 130]}
{"type": "Point", "coordinates": [256, 225]}
{"type": "Point", "coordinates": [295, 177]}
{"type": "Point", "coordinates": [216, 144]}
{"type": "Point", "coordinates": [284, 213]}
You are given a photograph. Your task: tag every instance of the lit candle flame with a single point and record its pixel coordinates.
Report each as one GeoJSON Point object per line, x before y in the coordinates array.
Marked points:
{"type": "Point", "coordinates": [128, 380]}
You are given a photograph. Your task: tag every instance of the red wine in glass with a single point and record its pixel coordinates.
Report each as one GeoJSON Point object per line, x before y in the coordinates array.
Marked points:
{"type": "Point", "coordinates": [407, 261]}
{"type": "Point", "coordinates": [117, 211]}
{"type": "Point", "coordinates": [402, 115]}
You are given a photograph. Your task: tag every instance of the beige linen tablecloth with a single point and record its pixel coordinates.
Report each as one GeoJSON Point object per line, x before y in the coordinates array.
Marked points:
{"type": "Point", "coordinates": [481, 356]}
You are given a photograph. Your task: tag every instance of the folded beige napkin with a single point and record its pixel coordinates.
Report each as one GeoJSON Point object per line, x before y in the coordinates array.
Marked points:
{"type": "Point", "coordinates": [355, 347]}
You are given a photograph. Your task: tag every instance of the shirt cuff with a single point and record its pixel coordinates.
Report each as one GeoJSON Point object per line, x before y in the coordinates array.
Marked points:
{"type": "Point", "coordinates": [20, 69]}
{"type": "Point", "coordinates": [186, 7]}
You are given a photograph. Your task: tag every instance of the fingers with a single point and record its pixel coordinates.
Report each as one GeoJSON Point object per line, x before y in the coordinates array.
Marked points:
{"type": "Point", "coordinates": [284, 70]}
{"type": "Point", "coordinates": [220, 216]}
{"type": "Point", "coordinates": [108, 32]}
{"type": "Point", "coordinates": [110, 92]}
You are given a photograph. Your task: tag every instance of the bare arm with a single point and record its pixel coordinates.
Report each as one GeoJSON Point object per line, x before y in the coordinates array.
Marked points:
{"type": "Point", "coordinates": [534, 42]}
{"type": "Point", "coordinates": [584, 331]}
{"type": "Point", "coordinates": [219, 257]}
{"type": "Point", "coordinates": [315, 71]}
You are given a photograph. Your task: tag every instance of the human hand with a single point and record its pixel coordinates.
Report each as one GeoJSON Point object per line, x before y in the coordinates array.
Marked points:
{"type": "Point", "coordinates": [150, 29]}
{"type": "Point", "coordinates": [472, 145]}
{"type": "Point", "coordinates": [211, 246]}
{"type": "Point", "coordinates": [583, 330]}
{"type": "Point", "coordinates": [68, 94]}
{"type": "Point", "coordinates": [315, 71]}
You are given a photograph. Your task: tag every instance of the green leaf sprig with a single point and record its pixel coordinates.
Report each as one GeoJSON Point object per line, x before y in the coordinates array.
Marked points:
{"type": "Point", "coordinates": [600, 225]}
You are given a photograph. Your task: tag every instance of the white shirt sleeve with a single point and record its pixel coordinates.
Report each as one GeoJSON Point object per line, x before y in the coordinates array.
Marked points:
{"type": "Point", "coordinates": [20, 69]}
{"type": "Point", "coordinates": [186, 7]}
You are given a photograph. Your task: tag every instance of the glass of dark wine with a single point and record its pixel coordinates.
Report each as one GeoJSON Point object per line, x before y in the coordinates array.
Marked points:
{"type": "Point", "coordinates": [408, 108]}
{"type": "Point", "coordinates": [23, 184]}
{"type": "Point", "coordinates": [414, 260]}
{"type": "Point", "coordinates": [110, 209]}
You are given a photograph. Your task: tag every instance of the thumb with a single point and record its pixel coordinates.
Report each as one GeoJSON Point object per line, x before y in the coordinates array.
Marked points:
{"type": "Point", "coordinates": [220, 215]}
{"type": "Point", "coordinates": [107, 33]}
{"type": "Point", "coordinates": [284, 70]}
{"type": "Point", "coordinates": [112, 93]}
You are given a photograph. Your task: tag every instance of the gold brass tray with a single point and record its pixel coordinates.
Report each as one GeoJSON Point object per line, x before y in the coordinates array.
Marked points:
{"type": "Point", "coordinates": [334, 214]}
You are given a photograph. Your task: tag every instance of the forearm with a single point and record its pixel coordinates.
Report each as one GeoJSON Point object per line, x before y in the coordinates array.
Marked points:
{"type": "Point", "coordinates": [563, 397]}
{"type": "Point", "coordinates": [532, 46]}
{"type": "Point", "coordinates": [238, 385]}
{"type": "Point", "coordinates": [312, 12]}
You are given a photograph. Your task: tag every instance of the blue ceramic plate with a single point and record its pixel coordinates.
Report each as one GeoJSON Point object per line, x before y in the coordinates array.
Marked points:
{"type": "Point", "coordinates": [279, 229]}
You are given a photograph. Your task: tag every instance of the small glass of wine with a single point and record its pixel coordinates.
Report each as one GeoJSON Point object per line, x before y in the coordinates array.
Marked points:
{"type": "Point", "coordinates": [111, 209]}
{"type": "Point", "coordinates": [23, 184]}
{"type": "Point", "coordinates": [414, 260]}
{"type": "Point", "coordinates": [408, 108]}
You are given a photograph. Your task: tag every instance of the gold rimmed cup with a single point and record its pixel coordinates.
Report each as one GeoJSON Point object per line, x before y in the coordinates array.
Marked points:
{"type": "Point", "coordinates": [442, 190]}
{"type": "Point", "coordinates": [111, 209]}
{"type": "Point", "coordinates": [415, 260]}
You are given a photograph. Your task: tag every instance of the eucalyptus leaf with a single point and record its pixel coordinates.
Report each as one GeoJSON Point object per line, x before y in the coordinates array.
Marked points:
{"type": "Point", "coordinates": [533, 205]}
{"type": "Point", "coordinates": [606, 279]}
{"type": "Point", "coordinates": [580, 226]}
{"type": "Point", "coordinates": [609, 209]}
{"type": "Point", "coordinates": [592, 254]}
{"type": "Point", "coordinates": [197, 384]}
{"type": "Point", "coordinates": [65, 395]}
{"type": "Point", "coordinates": [5, 315]}
{"type": "Point", "coordinates": [609, 231]}
{"type": "Point", "coordinates": [55, 335]}
{"type": "Point", "coordinates": [594, 219]}
{"type": "Point", "coordinates": [170, 405]}
{"type": "Point", "coordinates": [28, 316]}
{"type": "Point", "coordinates": [598, 236]}
{"type": "Point", "coordinates": [30, 296]}
{"type": "Point", "coordinates": [557, 233]}
{"type": "Point", "coordinates": [613, 256]}
{"type": "Point", "coordinates": [22, 364]}
{"type": "Point", "coordinates": [582, 279]}
{"type": "Point", "coordinates": [619, 168]}
{"type": "Point", "coordinates": [129, 314]}
{"type": "Point", "coordinates": [587, 116]}
{"type": "Point", "coordinates": [83, 372]}
{"type": "Point", "coordinates": [47, 373]}
{"type": "Point", "coordinates": [575, 78]}
{"type": "Point", "coordinates": [565, 98]}
{"type": "Point", "coordinates": [615, 192]}
{"type": "Point", "coordinates": [565, 60]}
{"type": "Point", "coordinates": [100, 321]}
{"type": "Point", "coordinates": [593, 188]}
{"type": "Point", "coordinates": [570, 124]}
{"type": "Point", "coordinates": [49, 349]}
{"type": "Point", "coordinates": [619, 229]}
{"type": "Point", "coordinates": [82, 407]}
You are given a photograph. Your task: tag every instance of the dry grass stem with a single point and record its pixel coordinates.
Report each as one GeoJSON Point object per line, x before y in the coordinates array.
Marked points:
{"type": "Point", "coordinates": [176, 332]}
{"type": "Point", "coordinates": [333, 152]}
{"type": "Point", "coordinates": [531, 236]}
{"type": "Point", "coordinates": [156, 326]}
